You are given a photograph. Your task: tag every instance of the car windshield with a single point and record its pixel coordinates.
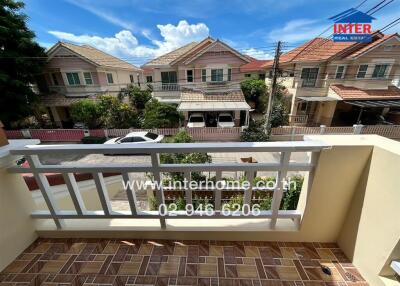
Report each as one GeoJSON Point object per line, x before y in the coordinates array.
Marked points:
{"type": "Point", "coordinates": [225, 118]}
{"type": "Point", "coordinates": [152, 136]}
{"type": "Point", "coordinates": [196, 119]}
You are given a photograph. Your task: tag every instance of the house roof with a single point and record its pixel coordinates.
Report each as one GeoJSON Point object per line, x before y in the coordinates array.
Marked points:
{"type": "Point", "coordinates": [94, 55]}
{"type": "Point", "coordinates": [200, 96]}
{"type": "Point", "coordinates": [320, 49]}
{"type": "Point", "coordinates": [353, 93]}
{"type": "Point", "coordinates": [317, 49]}
{"type": "Point", "coordinates": [190, 52]}
{"type": "Point", "coordinates": [213, 44]}
{"type": "Point", "coordinates": [370, 46]}
{"type": "Point", "coordinates": [198, 101]}
{"type": "Point", "coordinates": [166, 59]}
{"type": "Point", "coordinates": [352, 16]}
{"type": "Point", "coordinates": [255, 65]}
{"type": "Point", "coordinates": [57, 99]}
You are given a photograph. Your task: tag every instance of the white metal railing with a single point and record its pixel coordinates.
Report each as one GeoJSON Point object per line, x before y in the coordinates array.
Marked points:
{"type": "Point", "coordinates": [282, 167]}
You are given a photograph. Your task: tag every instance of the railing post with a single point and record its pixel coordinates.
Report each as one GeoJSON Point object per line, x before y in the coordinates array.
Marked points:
{"type": "Point", "coordinates": [188, 191]}
{"type": "Point", "coordinates": [248, 192]}
{"type": "Point", "coordinates": [73, 190]}
{"type": "Point", "coordinates": [218, 192]}
{"type": "Point", "coordinates": [155, 162]}
{"type": "Point", "coordinates": [293, 133]}
{"type": "Point", "coordinates": [102, 191]}
{"type": "Point", "coordinates": [130, 192]}
{"type": "Point", "coordinates": [45, 189]}
{"type": "Point", "coordinates": [26, 133]}
{"type": "Point", "coordinates": [322, 129]}
{"type": "Point", "coordinates": [278, 193]}
{"type": "Point", "coordinates": [357, 128]}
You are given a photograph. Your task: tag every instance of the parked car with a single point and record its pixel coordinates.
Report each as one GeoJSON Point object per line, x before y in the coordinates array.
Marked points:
{"type": "Point", "coordinates": [225, 120]}
{"type": "Point", "coordinates": [196, 120]}
{"type": "Point", "coordinates": [136, 138]}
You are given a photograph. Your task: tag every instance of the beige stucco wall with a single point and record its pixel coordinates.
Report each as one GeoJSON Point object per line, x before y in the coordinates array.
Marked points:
{"type": "Point", "coordinates": [371, 233]}
{"type": "Point", "coordinates": [17, 227]}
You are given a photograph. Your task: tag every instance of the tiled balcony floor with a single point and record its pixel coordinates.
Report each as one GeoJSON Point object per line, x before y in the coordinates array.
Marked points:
{"type": "Point", "coordinates": [169, 262]}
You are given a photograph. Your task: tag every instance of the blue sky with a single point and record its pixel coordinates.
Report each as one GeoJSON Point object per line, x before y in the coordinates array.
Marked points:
{"type": "Point", "coordinates": [138, 30]}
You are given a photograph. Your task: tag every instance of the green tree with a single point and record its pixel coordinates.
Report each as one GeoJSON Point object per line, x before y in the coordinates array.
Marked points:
{"type": "Point", "coordinates": [139, 97]}
{"type": "Point", "coordinates": [279, 112]}
{"type": "Point", "coordinates": [115, 114]}
{"type": "Point", "coordinates": [160, 115]}
{"type": "Point", "coordinates": [255, 132]}
{"type": "Point", "coordinates": [21, 60]}
{"type": "Point", "coordinates": [87, 112]}
{"type": "Point", "coordinates": [255, 90]}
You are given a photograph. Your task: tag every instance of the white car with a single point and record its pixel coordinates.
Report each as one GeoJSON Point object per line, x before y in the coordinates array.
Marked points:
{"type": "Point", "coordinates": [196, 120]}
{"type": "Point", "coordinates": [225, 120]}
{"type": "Point", "coordinates": [136, 138]}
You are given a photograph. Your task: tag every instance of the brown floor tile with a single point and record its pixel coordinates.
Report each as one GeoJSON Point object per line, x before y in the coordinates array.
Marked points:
{"type": "Point", "coordinates": [246, 271]}
{"type": "Point", "coordinates": [207, 270]}
{"type": "Point", "coordinates": [181, 250]}
{"type": "Point", "coordinates": [288, 273]}
{"type": "Point", "coordinates": [216, 251]}
{"type": "Point", "coordinates": [169, 269]}
{"type": "Point", "coordinates": [251, 251]}
{"type": "Point", "coordinates": [52, 267]}
{"type": "Point", "coordinates": [129, 268]}
{"type": "Point", "coordinates": [16, 266]}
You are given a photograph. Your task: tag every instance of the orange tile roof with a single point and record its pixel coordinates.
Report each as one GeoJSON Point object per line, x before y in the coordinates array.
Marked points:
{"type": "Point", "coordinates": [255, 65]}
{"type": "Point", "coordinates": [369, 46]}
{"type": "Point", "coordinates": [353, 93]}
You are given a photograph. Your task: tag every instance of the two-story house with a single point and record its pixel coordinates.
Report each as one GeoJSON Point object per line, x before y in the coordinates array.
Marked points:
{"type": "Point", "coordinates": [74, 72]}
{"type": "Point", "coordinates": [337, 83]}
{"type": "Point", "coordinates": [203, 77]}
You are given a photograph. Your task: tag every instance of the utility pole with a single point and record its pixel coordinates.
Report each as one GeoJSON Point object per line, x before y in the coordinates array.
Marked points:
{"type": "Point", "coordinates": [275, 72]}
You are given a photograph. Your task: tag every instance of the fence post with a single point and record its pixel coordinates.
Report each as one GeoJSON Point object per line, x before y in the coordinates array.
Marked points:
{"type": "Point", "coordinates": [322, 129]}
{"type": "Point", "coordinates": [293, 133]}
{"type": "Point", "coordinates": [357, 128]}
{"type": "Point", "coordinates": [106, 133]}
{"type": "Point", "coordinates": [26, 133]}
{"type": "Point", "coordinates": [86, 132]}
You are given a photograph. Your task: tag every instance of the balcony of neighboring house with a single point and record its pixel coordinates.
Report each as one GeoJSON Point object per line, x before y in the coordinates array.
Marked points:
{"type": "Point", "coordinates": [317, 231]}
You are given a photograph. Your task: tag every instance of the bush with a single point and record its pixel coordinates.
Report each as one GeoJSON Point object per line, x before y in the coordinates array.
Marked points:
{"type": "Point", "coordinates": [255, 132]}
{"type": "Point", "coordinates": [93, 140]}
{"type": "Point", "coordinates": [255, 90]}
{"type": "Point", "coordinates": [115, 114]}
{"type": "Point", "coordinates": [161, 115]}
{"type": "Point", "coordinates": [138, 97]}
{"type": "Point", "coordinates": [87, 112]}
{"type": "Point", "coordinates": [291, 196]}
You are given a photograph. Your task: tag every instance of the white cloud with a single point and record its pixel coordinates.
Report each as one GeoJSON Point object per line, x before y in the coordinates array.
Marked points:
{"type": "Point", "coordinates": [258, 54]}
{"type": "Point", "coordinates": [126, 46]}
{"type": "Point", "coordinates": [298, 30]}
{"type": "Point", "coordinates": [107, 16]}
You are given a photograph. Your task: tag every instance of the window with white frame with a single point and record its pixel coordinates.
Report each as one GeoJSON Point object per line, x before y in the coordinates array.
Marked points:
{"type": "Point", "coordinates": [189, 75]}
{"type": "Point", "coordinates": [149, 78]}
{"type": "Point", "coordinates": [362, 71]}
{"type": "Point", "coordinates": [217, 75]}
{"type": "Point", "coordinates": [88, 77]}
{"type": "Point", "coordinates": [203, 75]}
{"type": "Point", "coordinates": [229, 74]}
{"type": "Point", "coordinates": [110, 78]}
{"type": "Point", "coordinates": [340, 70]}
{"type": "Point", "coordinates": [380, 71]}
{"type": "Point", "coordinates": [73, 78]}
{"type": "Point", "coordinates": [131, 78]}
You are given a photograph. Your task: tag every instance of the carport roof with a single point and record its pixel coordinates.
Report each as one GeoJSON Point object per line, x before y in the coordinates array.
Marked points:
{"type": "Point", "coordinates": [374, 103]}
{"type": "Point", "coordinates": [212, 106]}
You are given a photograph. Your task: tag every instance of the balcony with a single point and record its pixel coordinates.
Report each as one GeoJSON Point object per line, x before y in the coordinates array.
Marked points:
{"type": "Point", "coordinates": [348, 196]}
{"type": "Point", "coordinates": [81, 90]}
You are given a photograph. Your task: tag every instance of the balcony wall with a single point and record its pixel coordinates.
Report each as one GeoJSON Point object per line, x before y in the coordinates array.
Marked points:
{"type": "Point", "coordinates": [353, 200]}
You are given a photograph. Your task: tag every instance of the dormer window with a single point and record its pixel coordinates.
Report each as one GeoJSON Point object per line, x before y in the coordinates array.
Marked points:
{"type": "Point", "coordinates": [189, 75]}
{"type": "Point", "coordinates": [340, 72]}
{"type": "Point", "coordinates": [229, 74]}
{"type": "Point", "coordinates": [362, 71]}
{"type": "Point", "coordinates": [217, 75]}
{"type": "Point", "coordinates": [110, 79]}
{"type": "Point", "coordinates": [88, 77]}
{"type": "Point", "coordinates": [203, 75]}
{"type": "Point", "coordinates": [380, 71]}
{"type": "Point", "coordinates": [73, 78]}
